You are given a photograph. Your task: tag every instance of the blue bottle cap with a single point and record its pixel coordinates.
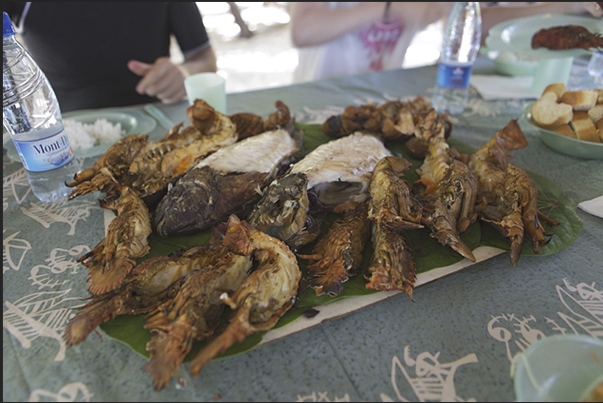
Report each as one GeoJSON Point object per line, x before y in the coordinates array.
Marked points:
{"type": "Point", "coordinates": [7, 25]}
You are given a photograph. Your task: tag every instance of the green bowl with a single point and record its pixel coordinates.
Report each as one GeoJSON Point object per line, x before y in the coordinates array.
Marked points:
{"type": "Point", "coordinates": [559, 368]}
{"type": "Point", "coordinates": [563, 144]}
{"type": "Point", "coordinates": [515, 68]}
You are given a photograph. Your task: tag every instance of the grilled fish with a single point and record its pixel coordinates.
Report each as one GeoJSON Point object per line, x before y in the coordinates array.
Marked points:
{"type": "Point", "coordinates": [223, 182]}
{"type": "Point", "coordinates": [340, 171]}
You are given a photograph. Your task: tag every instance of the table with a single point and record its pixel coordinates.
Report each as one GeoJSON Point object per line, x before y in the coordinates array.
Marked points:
{"type": "Point", "coordinates": [456, 340]}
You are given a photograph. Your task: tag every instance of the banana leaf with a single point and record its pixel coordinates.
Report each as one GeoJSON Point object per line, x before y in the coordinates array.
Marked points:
{"type": "Point", "coordinates": [428, 253]}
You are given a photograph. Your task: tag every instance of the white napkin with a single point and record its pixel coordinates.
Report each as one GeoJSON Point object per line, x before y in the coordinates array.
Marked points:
{"type": "Point", "coordinates": [501, 87]}
{"type": "Point", "coordinates": [594, 206]}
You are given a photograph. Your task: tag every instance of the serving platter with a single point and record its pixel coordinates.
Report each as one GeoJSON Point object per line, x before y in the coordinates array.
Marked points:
{"type": "Point", "coordinates": [516, 35]}
{"type": "Point", "coordinates": [563, 144]}
{"type": "Point", "coordinates": [433, 261]}
{"type": "Point", "coordinates": [554, 65]}
{"type": "Point", "coordinates": [132, 121]}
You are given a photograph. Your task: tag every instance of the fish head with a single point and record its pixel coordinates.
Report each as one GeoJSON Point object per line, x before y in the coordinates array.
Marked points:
{"type": "Point", "coordinates": [283, 206]}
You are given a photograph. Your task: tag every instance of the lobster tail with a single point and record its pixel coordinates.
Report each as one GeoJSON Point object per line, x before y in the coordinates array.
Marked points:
{"type": "Point", "coordinates": [168, 350]}
{"type": "Point", "coordinates": [236, 331]}
{"type": "Point", "coordinates": [102, 281]}
{"type": "Point", "coordinates": [511, 137]}
{"type": "Point", "coordinates": [392, 266]}
{"type": "Point", "coordinates": [91, 315]}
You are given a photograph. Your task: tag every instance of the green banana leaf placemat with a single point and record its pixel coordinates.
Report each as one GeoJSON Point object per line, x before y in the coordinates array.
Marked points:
{"type": "Point", "coordinates": [433, 261]}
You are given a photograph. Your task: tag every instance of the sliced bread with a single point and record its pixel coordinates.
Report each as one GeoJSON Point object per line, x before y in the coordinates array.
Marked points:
{"type": "Point", "coordinates": [566, 130]}
{"type": "Point", "coordinates": [549, 114]}
{"type": "Point", "coordinates": [584, 128]}
{"type": "Point", "coordinates": [596, 113]}
{"type": "Point", "coordinates": [599, 92]}
{"type": "Point", "coordinates": [556, 88]}
{"type": "Point", "coordinates": [579, 100]}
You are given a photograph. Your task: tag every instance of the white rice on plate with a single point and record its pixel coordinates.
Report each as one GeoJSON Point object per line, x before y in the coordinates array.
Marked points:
{"type": "Point", "coordinates": [86, 135]}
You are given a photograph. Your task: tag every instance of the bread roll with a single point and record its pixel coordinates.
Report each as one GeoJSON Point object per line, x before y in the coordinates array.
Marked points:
{"type": "Point", "coordinates": [596, 113]}
{"type": "Point", "coordinates": [549, 114]}
{"type": "Point", "coordinates": [584, 128]}
{"type": "Point", "coordinates": [600, 129]}
{"type": "Point", "coordinates": [556, 88]}
{"type": "Point", "coordinates": [566, 130]}
{"type": "Point", "coordinates": [579, 100]}
{"type": "Point", "coordinates": [599, 92]}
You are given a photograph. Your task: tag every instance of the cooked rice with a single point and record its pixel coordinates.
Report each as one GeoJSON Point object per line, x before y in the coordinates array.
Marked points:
{"type": "Point", "coordinates": [86, 135]}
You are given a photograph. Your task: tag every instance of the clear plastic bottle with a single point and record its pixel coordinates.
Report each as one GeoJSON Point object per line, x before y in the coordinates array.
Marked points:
{"type": "Point", "coordinates": [460, 45]}
{"type": "Point", "coordinates": [32, 117]}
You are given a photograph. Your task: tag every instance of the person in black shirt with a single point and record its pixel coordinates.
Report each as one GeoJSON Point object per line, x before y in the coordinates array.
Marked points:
{"type": "Point", "coordinates": [109, 54]}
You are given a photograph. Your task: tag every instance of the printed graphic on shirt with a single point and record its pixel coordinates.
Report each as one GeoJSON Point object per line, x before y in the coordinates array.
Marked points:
{"type": "Point", "coordinates": [379, 40]}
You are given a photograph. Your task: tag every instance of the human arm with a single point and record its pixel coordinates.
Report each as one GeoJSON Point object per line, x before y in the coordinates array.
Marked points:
{"type": "Point", "coordinates": [314, 24]}
{"type": "Point", "coordinates": [165, 80]}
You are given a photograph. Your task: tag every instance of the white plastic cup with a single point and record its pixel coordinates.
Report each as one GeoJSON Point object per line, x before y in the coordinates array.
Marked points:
{"type": "Point", "coordinates": [209, 87]}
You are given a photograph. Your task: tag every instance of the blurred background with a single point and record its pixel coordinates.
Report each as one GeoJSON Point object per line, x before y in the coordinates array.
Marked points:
{"type": "Point", "coordinates": [257, 52]}
{"type": "Point", "coordinates": [252, 42]}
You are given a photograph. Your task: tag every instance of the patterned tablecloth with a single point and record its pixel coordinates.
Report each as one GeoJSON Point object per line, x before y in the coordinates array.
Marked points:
{"type": "Point", "coordinates": [456, 340]}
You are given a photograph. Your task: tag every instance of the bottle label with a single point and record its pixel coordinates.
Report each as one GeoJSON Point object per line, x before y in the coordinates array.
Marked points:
{"type": "Point", "coordinates": [454, 77]}
{"type": "Point", "coordinates": [45, 154]}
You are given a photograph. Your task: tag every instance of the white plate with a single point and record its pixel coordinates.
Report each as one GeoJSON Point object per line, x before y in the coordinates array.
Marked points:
{"type": "Point", "coordinates": [516, 35]}
{"type": "Point", "coordinates": [563, 144]}
{"type": "Point", "coordinates": [132, 121]}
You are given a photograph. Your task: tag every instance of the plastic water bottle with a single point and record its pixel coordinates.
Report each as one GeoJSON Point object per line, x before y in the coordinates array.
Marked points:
{"type": "Point", "coordinates": [460, 45]}
{"type": "Point", "coordinates": [31, 115]}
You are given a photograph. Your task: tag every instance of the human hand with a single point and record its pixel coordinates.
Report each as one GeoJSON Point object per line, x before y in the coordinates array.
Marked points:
{"type": "Point", "coordinates": [162, 79]}
{"type": "Point", "coordinates": [593, 8]}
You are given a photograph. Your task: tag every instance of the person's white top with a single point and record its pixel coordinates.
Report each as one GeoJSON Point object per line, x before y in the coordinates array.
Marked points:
{"type": "Point", "coordinates": [380, 46]}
